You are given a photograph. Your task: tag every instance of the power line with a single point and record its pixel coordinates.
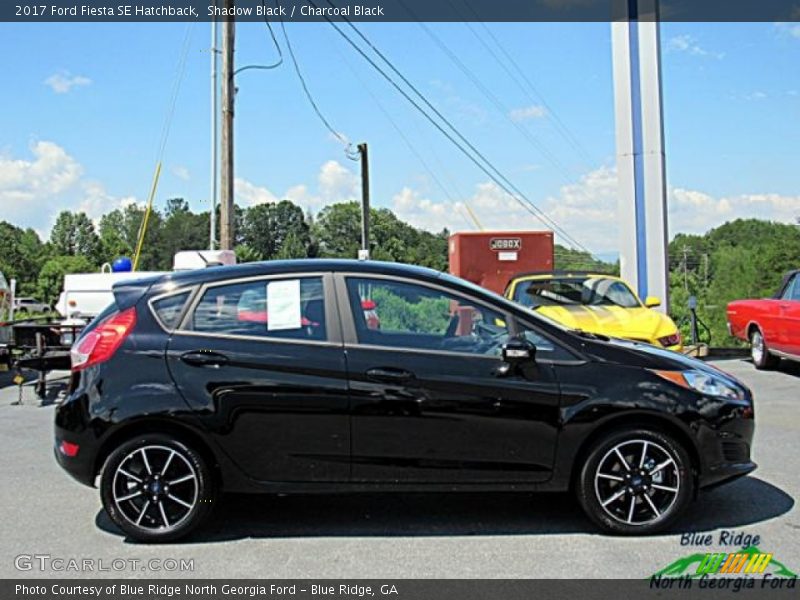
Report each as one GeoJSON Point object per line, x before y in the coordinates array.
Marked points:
{"type": "Point", "coordinates": [489, 169]}
{"type": "Point", "coordinates": [180, 72]}
{"type": "Point", "coordinates": [339, 136]}
{"type": "Point", "coordinates": [278, 62]}
{"type": "Point", "coordinates": [498, 104]}
{"type": "Point", "coordinates": [561, 127]}
{"type": "Point", "coordinates": [401, 134]}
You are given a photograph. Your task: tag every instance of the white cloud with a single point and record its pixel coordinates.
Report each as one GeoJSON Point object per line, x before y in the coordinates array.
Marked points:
{"type": "Point", "coordinates": [34, 190]}
{"type": "Point", "coordinates": [689, 45]}
{"type": "Point", "coordinates": [790, 29]}
{"type": "Point", "coordinates": [63, 82]}
{"type": "Point", "coordinates": [491, 205]}
{"type": "Point", "coordinates": [588, 209]}
{"type": "Point", "coordinates": [335, 183]}
{"type": "Point", "coordinates": [527, 113]}
{"type": "Point", "coordinates": [181, 172]}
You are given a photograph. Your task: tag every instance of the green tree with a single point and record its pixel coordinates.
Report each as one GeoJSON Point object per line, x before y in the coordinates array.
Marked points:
{"type": "Point", "coordinates": [119, 232]}
{"type": "Point", "coordinates": [337, 230]}
{"type": "Point", "coordinates": [292, 247]}
{"type": "Point", "coordinates": [181, 230]}
{"type": "Point", "coordinates": [51, 278]}
{"type": "Point", "coordinates": [22, 254]}
{"type": "Point", "coordinates": [73, 234]}
{"type": "Point", "coordinates": [745, 258]}
{"type": "Point", "coordinates": [567, 259]}
{"type": "Point", "coordinates": [267, 226]}
{"type": "Point", "coordinates": [245, 253]}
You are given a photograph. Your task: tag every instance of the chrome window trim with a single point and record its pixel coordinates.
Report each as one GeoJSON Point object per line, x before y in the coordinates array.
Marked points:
{"type": "Point", "coordinates": [257, 338]}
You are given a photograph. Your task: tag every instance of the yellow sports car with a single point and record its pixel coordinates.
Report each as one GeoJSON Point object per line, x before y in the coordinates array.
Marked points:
{"type": "Point", "coordinates": [597, 303]}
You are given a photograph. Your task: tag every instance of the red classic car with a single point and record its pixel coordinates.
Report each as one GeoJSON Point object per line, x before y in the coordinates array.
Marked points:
{"type": "Point", "coordinates": [771, 325]}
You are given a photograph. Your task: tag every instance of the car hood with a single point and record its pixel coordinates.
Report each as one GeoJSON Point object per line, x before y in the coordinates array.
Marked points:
{"type": "Point", "coordinates": [614, 321]}
{"type": "Point", "coordinates": [636, 354]}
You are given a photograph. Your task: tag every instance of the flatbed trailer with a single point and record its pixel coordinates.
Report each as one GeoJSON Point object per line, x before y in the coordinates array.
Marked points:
{"type": "Point", "coordinates": [38, 344]}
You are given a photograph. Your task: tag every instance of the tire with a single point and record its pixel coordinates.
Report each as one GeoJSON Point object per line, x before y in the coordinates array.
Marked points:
{"type": "Point", "coordinates": [759, 352]}
{"type": "Point", "coordinates": [640, 503]}
{"type": "Point", "coordinates": [149, 502]}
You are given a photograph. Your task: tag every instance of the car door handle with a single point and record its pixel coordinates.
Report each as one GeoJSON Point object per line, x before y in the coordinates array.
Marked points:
{"type": "Point", "coordinates": [389, 375]}
{"type": "Point", "coordinates": [204, 358]}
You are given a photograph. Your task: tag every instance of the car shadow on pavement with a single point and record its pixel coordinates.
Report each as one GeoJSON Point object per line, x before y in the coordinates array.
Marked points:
{"type": "Point", "coordinates": [744, 502]}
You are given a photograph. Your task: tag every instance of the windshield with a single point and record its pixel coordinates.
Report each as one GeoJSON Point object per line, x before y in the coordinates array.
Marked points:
{"type": "Point", "coordinates": [575, 291]}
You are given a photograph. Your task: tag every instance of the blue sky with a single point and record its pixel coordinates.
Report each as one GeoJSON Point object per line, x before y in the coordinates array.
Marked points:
{"type": "Point", "coordinates": [84, 107]}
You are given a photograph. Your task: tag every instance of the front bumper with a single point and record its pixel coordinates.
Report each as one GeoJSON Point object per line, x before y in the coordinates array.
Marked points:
{"type": "Point", "coordinates": [726, 473]}
{"type": "Point", "coordinates": [725, 446]}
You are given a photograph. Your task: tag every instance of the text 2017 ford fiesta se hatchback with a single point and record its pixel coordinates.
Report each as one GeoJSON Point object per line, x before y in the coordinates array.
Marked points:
{"type": "Point", "coordinates": [345, 376]}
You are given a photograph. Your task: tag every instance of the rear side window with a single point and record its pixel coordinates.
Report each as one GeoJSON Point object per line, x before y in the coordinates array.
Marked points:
{"type": "Point", "coordinates": [292, 308]}
{"type": "Point", "coordinates": [168, 310]}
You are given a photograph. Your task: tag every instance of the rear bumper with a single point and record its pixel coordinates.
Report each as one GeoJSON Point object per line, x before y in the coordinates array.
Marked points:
{"type": "Point", "coordinates": [71, 426]}
{"type": "Point", "coordinates": [81, 466]}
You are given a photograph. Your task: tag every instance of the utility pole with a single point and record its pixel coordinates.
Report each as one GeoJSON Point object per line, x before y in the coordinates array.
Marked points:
{"type": "Point", "coordinates": [363, 254]}
{"type": "Point", "coordinates": [212, 241]}
{"type": "Point", "coordinates": [226, 170]}
{"type": "Point", "coordinates": [685, 267]}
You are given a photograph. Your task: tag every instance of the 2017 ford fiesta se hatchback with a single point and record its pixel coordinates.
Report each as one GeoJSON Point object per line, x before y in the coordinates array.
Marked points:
{"type": "Point", "coordinates": [270, 377]}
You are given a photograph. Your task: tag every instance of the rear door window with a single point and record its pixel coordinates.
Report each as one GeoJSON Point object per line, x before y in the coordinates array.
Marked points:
{"type": "Point", "coordinates": [290, 308]}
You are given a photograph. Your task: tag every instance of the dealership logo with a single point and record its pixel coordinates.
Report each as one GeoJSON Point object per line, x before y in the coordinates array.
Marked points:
{"type": "Point", "coordinates": [505, 244]}
{"type": "Point", "coordinates": [747, 561]}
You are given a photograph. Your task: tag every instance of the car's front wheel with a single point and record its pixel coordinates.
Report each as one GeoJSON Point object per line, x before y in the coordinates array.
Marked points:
{"type": "Point", "coordinates": [635, 481]}
{"type": "Point", "coordinates": [759, 352]}
{"type": "Point", "coordinates": [157, 488]}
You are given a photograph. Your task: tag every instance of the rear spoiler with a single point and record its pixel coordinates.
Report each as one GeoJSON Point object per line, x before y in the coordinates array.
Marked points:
{"type": "Point", "coordinates": [128, 293]}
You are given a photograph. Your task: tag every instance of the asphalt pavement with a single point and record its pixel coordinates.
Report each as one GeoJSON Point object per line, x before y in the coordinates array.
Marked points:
{"type": "Point", "coordinates": [54, 527]}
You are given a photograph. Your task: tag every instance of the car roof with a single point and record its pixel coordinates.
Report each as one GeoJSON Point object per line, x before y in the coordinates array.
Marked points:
{"type": "Point", "coordinates": [305, 265]}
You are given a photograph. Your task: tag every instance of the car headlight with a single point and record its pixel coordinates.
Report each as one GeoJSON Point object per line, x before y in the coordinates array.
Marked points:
{"type": "Point", "coordinates": [703, 382]}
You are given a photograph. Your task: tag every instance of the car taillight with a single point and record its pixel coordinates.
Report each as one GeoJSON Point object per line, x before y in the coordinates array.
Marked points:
{"type": "Point", "coordinates": [670, 340]}
{"type": "Point", "coordinates": [101, 342]}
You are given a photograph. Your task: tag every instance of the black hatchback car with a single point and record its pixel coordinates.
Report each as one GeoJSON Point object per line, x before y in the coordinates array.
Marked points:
{"type": "Point", "coordinates": [274, 377]}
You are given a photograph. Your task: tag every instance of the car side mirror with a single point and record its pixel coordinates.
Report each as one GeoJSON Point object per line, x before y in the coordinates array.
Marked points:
{"type": "Point", "coordinates": [652, 301]}
{"type": "Point", "coordinates": [518, 350]}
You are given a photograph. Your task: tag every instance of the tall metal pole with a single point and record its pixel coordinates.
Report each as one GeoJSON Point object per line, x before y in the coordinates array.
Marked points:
{"type": "Point", "coordinates": [212, 238]}
{"type": "Point", "coordinates": [363, 254]}
{"type": "Point", "coordinates": [640, 149]}
{"type": "Point", "coordinates": [226, 170]}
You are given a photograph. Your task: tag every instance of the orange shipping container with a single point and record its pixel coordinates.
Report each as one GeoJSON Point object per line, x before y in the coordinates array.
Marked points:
{"type": "Point", "coordinates": [491, 258]}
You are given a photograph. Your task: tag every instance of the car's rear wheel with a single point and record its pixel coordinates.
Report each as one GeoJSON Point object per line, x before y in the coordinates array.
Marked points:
{"type": "Point", "coordinates": [759, 352]}
{"type": "Point", "coordinates": [635, 481]}
{"type": "Point", "coordinates": [157, 488]}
